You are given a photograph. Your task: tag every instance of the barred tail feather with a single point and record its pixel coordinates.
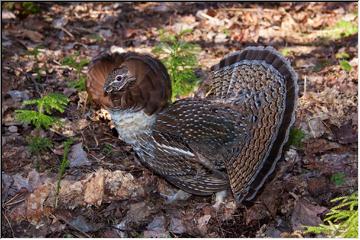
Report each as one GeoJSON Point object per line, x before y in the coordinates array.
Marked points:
{"type": "Point", "coordinates": [257, 77]}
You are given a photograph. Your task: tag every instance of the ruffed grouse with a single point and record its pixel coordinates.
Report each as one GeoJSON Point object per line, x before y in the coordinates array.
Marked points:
{"type": "Point", "coordinates": [232, 138]}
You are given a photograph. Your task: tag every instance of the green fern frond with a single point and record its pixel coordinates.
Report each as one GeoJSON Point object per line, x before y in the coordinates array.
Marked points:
{"type": "Point", "coordinates": [341, 221]}
{"type": "Point", "coordinates": [30, 102]}
{"type": "Point", "coordinates": [52, 101]}
{"type": "Point", "coordinates": [55, 101]}
{"type": "Point", "coordinates": [46, 104]}
{"type": "Point", "coordinates": [35, 118]}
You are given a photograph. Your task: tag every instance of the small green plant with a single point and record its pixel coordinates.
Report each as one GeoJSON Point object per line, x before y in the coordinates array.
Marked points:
{"type": "Point", "coordinates": [22, 8]}
{"type": "Point", "coordinates": [35, 118]}
{"type": "Point", "coordinates": [345, 65]}
{"type": "Point", "coordinates": [73, 61]}
{"type": "Point", "coordinates": [226, 32]}
{"type": "Point", "coordinates": [180, 59]}
{"type": "Point", "coordinates": [78, 64]}
{"type": "Point", "coordinates": [342, 55]}
{"type": "Point", "coordinates": [30, 8]}
{"type": "Point", "coordinates": [341, 29]}
{"type": "Point", "coordinates": [285, 52]}
{"type": "Point", "coordinates": [63, 165]}
{"type": "Point", "coordinates": [45, 106]}
{"type": "Point", "coordinates": [35, 51]}
{"type": "Point", "coordinates": [341, 221]}
{"type": "Point", "coordinates": [296, 137]}
{"type": "Point", "coordinates": [107, 149]}
{"type": "Point", "coordinates": [79, 84]}
{"type": "Point", "coordinates": [38, 145]}
{"type": "Point", "coordinates": [338, 178]}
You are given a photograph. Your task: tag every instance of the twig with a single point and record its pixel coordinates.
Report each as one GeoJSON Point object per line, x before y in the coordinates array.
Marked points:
{"type": "Point", "coordinates": [97, 159]}
{"type": "Point", "coordinates": [105, 139]}
{"type": "Point", "coordinates": [67, 32]}
{"type": "Point", "coordinates": [12, 230]}
{"type": "Point", "coordinates": [305, 83]}
{"type": "Point", "coordinates": [56, 62]}
{"type": "Point", "coordinates": [9, 202]}
{"type": "Point", "coordinates": [96, 141]}
{"type": "Point", "coordinates": [13, 203]}
{"type": "Point", "coordinates": [83, 29]}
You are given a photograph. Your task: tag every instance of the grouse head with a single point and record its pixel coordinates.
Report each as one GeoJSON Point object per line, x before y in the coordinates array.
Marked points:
{"type": "Point", "coordinates": [118, 81]}
{"type": "Point", "coordinates": [129, 81]}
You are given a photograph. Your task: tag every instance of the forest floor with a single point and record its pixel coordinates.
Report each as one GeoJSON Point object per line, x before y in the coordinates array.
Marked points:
{"type": "Point", "coordinates": [106, 192]}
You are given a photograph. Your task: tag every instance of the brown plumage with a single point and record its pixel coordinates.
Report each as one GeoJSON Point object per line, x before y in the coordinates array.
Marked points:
{"type": "Point", "coordinates": [231, 138]}
{"type": "Point", "coordinates": [151, 90]}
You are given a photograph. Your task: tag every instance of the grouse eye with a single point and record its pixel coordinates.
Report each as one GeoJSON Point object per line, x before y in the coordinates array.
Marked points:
{"type": "Point", "coordinates": [118, 78]}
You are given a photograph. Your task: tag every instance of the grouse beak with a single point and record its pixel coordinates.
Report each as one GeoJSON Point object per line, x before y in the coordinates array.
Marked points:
{"type": "Point", "coordinates": [107, 89]}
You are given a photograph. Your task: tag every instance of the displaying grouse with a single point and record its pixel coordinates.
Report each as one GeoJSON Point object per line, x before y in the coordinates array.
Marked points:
{"type": "Point", "coordinates": [231, 138]}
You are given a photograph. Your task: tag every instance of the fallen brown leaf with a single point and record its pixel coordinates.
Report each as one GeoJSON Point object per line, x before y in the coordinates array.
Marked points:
{"type": "Point", "coordinates": [32, 35]}
{"type": "Point", "coordinates": [94, 190]}
{"type": "Point", "coordinates": [306, 214]}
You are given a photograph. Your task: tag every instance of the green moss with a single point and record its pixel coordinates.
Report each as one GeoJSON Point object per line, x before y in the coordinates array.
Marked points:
{"type": "Point", "coordinates": [338, 178]}
{"type": "Point", "coordinates": [296, 137]}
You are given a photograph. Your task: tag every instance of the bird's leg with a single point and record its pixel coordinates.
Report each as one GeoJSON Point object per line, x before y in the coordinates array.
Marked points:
{"type": "Point", "coordinates": [219, 199]}
{"type": "Point", "coordinates": [178, 196]}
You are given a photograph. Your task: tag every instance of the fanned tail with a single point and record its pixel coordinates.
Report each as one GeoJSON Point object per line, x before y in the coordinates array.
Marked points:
{"type": "Point", "coordinates": [261, 83]}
